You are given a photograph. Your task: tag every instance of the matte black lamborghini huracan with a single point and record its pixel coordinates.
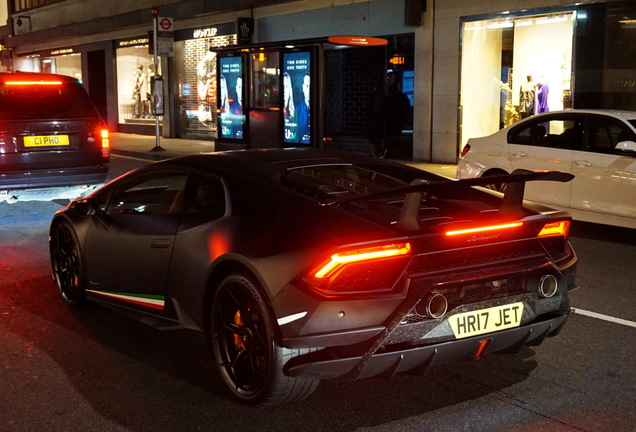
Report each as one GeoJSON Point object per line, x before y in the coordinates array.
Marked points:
{"type": "Point", "coordinates": [301, 265]}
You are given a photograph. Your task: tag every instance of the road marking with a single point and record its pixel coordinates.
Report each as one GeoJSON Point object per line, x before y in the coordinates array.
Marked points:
{"type": "Point", "coordinates": [606, 317]}
{"type": "Point", "coordinates": [131, 157]}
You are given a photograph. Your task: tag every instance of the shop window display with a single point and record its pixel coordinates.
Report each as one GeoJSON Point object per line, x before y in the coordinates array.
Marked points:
{"type": "Point", "coordinates": [196, 70]}
{"type": "Point", "coordinates": [70, 65]}
{"type": "Point", "coordinates": [135, 69]}
{"type": "Point", "coordinates": [512, 68]}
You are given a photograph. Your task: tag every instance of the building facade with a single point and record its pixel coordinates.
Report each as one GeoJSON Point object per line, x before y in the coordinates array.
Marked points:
{"type": "Point", "coordinates": [467, 68]}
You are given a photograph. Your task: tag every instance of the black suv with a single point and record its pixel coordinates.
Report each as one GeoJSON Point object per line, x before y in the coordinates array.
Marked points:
{"type": "Point", "coordinates": [53, 141]}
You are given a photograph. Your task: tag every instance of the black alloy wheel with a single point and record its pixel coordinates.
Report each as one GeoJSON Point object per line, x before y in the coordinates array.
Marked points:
{"type": "Point", "coordinates": [67, 264]}
{"type": "Point", "coordinates": [499, 187]}
{"type": "Point", "coordinates": [244, 346]}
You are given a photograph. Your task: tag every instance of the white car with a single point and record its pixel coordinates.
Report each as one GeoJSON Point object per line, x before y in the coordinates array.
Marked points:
{"type": "Point", "coordinates": [597, 146]}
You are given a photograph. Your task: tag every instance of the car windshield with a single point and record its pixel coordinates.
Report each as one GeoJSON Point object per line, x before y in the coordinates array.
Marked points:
{"type": "Point", "coordinates": [333, 182]}
{"type": "Point", "coordinates": [38, 101]}
{"type": "Point", "coordinates": [632, 122]}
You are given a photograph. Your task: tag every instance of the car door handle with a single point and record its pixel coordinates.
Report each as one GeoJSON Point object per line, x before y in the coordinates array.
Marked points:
{"type": "Point", "coordinates": [583, 163]}
{"type": "Point", "coordinates": [160, 243]}
{"type": "Point", "coordinates": [519, 154]}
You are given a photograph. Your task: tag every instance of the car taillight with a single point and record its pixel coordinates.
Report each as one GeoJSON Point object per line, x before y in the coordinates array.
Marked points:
{"type": "Point", "coordinates": [361, 270]}
{"type": "Point", "coordinates": [103, 133]}
{"type": "Point", "coordinates": [465, 150]}
{"type": "Point", "coordinates": [479, 229]}
{"type": "Point", "coordinates": [559, 228]}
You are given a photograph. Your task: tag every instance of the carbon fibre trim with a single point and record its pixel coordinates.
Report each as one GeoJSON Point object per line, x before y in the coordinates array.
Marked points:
{"type": "Point", "coordinates": [419, 359]}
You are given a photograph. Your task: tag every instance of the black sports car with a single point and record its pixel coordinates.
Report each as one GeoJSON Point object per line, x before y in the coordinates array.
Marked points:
{"type": "Point", "coordinates": [301, 265]}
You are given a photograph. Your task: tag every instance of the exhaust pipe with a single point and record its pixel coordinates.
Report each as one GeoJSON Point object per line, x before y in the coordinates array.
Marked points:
{"type": "Point", "coordinates": [548, 285]}
{"type": "Point", "coordinates": [436, 306]}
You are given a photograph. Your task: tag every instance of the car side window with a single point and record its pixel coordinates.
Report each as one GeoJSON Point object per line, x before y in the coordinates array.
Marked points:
{"type": "Point", "coordinates": [204, 195]}
{"type": "Point", "coordinates": [559, 133]}
{"type": "Point", "coordinates": [154, 194]}
{"type": "Point", "coordinates": [522, 135]}
{"type": "Point", "coordinates": [604, 133]}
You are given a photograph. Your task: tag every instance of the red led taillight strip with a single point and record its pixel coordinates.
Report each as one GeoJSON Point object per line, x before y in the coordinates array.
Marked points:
{"type": "Point", "coordinates": [561, 228]}
{"type": "Point", "coordinates": [33, 82]}
{"type": "Point", "coordinates": [340, 259]}
{"type": "Point", "coordinates": [484, 228]}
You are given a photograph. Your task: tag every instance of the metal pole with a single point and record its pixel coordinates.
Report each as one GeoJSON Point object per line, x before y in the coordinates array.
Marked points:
{"type": "Point", "coordinates": [155, 29]}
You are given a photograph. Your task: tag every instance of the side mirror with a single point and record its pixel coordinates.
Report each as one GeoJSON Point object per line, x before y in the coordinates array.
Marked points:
{"type": "Point", "coordinates": [628, 147]}
{"type": "Point", "coordinates": [90, 207]}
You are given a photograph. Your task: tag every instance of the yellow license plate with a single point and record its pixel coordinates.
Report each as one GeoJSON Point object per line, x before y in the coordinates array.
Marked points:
{"type": "Point", "coordinates": [486, 320]}
{"type": "Point", "coordinates": [46, 141]}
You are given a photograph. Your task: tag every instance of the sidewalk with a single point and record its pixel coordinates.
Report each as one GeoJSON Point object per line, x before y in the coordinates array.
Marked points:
{"type": "Point", "coordinates": [145, 147]}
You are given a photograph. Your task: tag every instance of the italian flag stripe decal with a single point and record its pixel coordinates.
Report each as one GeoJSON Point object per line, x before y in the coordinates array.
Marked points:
{"type": "Point", "coordinates": [151, 301]}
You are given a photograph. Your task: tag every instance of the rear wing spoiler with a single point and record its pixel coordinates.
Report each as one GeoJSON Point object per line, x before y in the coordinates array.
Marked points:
{"type": "Point", "coordinates": [512, 202]}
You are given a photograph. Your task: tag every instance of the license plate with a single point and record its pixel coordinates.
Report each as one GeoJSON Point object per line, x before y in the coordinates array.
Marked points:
{"type": "Point", "coordinates": [486, 320]}
{"type": "Point", "coordinates": [46, 141]}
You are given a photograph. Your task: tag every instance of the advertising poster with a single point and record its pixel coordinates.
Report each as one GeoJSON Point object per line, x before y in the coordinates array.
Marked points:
{"type": "Point", "coordinates": [230, 105]}
{"type": "Point", "coordinates": [296, 97]}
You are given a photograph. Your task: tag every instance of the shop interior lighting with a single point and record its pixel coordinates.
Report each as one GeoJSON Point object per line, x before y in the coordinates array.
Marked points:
{"type": "Point", "coordinates": [502, 24]}
{"type": "Point", "coordinates": [552, 19]}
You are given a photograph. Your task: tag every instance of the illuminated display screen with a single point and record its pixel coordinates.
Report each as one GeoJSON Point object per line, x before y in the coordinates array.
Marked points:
{"type": "Point", "coordinates": [230, 105]}
{"type": "Point", "coordinates": [296, 97]}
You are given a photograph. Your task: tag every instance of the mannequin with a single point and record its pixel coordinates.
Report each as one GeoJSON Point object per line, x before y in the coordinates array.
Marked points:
{"type": "Point", "coordinates": [526, 98]}
{"type": "Point", "coordinates": [541, 103]}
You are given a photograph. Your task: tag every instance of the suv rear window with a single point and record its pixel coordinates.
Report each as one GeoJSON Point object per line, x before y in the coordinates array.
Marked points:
{"type": "Point", "coordinates": [44, 101]}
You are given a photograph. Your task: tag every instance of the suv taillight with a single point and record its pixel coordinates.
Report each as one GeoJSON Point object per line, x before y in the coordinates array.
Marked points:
{"type": "Point", "coordinates": [103, 134]}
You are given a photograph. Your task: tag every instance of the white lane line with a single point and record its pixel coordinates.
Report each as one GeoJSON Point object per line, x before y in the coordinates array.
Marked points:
{"type": "Point", "coordinates": [605, 317]}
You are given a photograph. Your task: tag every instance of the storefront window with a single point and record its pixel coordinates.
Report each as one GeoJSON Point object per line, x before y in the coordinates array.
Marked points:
{"type": "Point", "coordinates": [70, 65]}
{"type": "Point", "coordinates": [135, 68]}
{"type": "Point", "coordinates": [512, 68]}
{"type": "Point", "coordinates": [196, 71]}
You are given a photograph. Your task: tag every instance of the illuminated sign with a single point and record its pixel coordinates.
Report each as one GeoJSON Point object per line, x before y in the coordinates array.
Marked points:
{"type": "Point", "coordinates": [62, 51]}
{"type": "Point", "coordinates": [297, 97]}
{"type": "Point", "coordinates": [133, 42]}
{"type": "Point", "coordinates": [205, 33]}
{"type": "Point", "coordinates": [357, 40]}
{"type": "Point", "coordinates": [230, 105]}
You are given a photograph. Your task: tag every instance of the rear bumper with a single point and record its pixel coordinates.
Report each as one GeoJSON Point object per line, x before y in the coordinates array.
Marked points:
{"type": "Point", "coordinates": [85, 176]}
{"type": "Point", "coordinates": [326, 364]}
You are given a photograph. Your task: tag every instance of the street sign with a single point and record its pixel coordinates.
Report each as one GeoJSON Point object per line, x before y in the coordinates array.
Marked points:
{"type": "Point", "coordinates": [165, 46]}
{"type": "Point", "coordinates": [154, 12]}
{"type": "Point", "coordinates": [165, 25]}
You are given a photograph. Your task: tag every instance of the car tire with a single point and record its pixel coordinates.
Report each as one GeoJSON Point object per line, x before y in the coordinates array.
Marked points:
{"type": "Point", "coordinates": [66, 259]}
{"type": "Point", "coordinates": [244, 345]}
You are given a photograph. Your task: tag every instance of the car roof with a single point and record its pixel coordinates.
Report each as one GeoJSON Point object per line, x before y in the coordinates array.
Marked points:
{"type": "Point", "coordinates": [620, 114]}
{"type": "Point", "coordinates": [272, 159]}
{"type": "Point", "coordinates": [19, 75]}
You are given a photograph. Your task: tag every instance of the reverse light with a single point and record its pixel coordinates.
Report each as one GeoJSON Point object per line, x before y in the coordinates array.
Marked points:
{"type": "Point", "coordinates": [484, 228]}
{"type": "Point", "coordinates": [561, 228]}
{"type": "Point", "coordinates": [340, 259]}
